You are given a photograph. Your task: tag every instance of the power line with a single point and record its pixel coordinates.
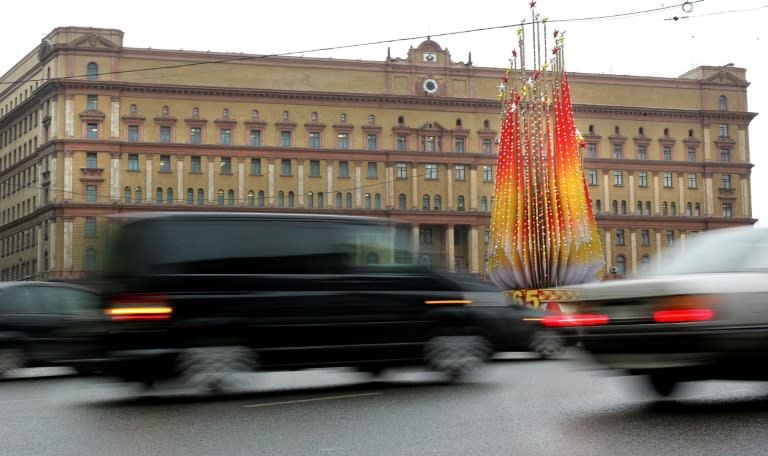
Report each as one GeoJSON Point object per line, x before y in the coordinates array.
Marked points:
{"type": "Point", "coordinates": [379, 42]}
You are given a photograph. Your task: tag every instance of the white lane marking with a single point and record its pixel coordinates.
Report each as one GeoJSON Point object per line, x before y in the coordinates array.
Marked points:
{"type": "Point", "coordinates": [314, 399]}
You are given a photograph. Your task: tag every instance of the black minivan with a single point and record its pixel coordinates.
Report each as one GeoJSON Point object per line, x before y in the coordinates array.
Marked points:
{"type": "Point", "coordinates": [194, 294]}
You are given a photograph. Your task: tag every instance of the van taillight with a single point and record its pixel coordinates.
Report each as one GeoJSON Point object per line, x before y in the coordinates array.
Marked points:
{"type": "Point", "coordinates": [139, 307]}
{"type": "Point", "coordinates": [568, 320]}
{"type": "Point", "coordinates": [682, 315]}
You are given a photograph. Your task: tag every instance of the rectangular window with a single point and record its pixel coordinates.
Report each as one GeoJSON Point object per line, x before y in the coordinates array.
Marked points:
{"type": "Point", "coordinates": [430, 144]}
{"type": "Point", "coordinates": [487, 173]}
{"type": "Point", "coordinates": [196, 135]}
{"type": "Point", "coordinates": [165, 135]}
{"type": "Point", "coordinates": [90, 193]}
{"type": "Point", "coordinates": [727, 210]}
{"type": "Point", "coordinates": [343, 141]}
{"type": "Point", "coordinates": [725, 181]}
{"type": "Point", "coordinates": [460, 145]}
{"type": "Point", "coordinates": [225, 165]}
{"type": "Point", "coordinates": [133, 162]}
{"type": "Point", "coordinates": [91, 161]}
{"type": "Point", "coordinates": [642, 152]}
{"type": "Point", "coordinates": [285, 167]}
{"type": "Point", "coordinates": [225, 136]}
{"type": "Point", "coordinates": [373, 170]}
{"type": "Point", "coordinates": [402, 142]}
{"type": "Point", "coordinates": [592, 177]}
{"type": "Point", "coordinates": [373, 142]}
{"type": "Point", "coordinates": [165, 163]}
{"type": "Point", "coordinates": [92, 130]}
{"type": "Point", "coordinates": [314, 140]}
{"type": "Point", "coordinates": [93, 103]}
{"type": "Point", "coordinates": [723, 130]}
{"type": "Point", "coordinates": [425, 235]}
{"type": "Point", "coordinates": [619, 237]}
{"type": "Point", "coordinates": [618, 178]}
{"type": "Point", "coordinates": [343, 168]}
{"type": "Point", "coordinates": [645, 237]}
{"type": "Point", "coordinates": [670, 238]}
{"type": "Point", "coordinates": [133, 133]}
{"type": "Point", "coordinates": [256, 166]}
{"type": "Point", "coordinates": [195, 165]}
{"type": "Point", "coordinates": [430, 171]}
{"type": "Point", "coordinates": [668, 153]}
{"type": "Point", "coordinates": [667, 180]}
{"type": "Point", "coordinates": [461, 172]}
{"type": "Point", "coordinates": [692, 180]}
{"type": "Point", "coordinates": [725, 155]}
{"type": "Point", "coordinates": [487, 148]}
{"type": "Point", "coordinates": [255, 138]}
{"type": "Point", "coordinates": [692, 154]}
{"type": "Point", "coordinates": [642, 178]}
{"type": "Point", "coordinates": [402, 171]}
{"type": "Point", "coordinates": [618, 152]}
{"type": "Point", "coordinates": [314, 168]}
{"type": "Point", "coordinates": [592, 150]}
{"type": "Point", "coordinates": [90, 226]}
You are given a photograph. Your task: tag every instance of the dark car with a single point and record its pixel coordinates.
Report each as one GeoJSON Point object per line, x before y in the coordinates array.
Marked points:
{"type": "Point", "coordinates": [704, 315]}
{"type": "Point", "coordinates": [47, 324]}
{"type": "Point", "coordinates": [193, 294]}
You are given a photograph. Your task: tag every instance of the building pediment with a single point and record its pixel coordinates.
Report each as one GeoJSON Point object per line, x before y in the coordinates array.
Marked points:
{"type": "Point", "coordinates": [92, 41]}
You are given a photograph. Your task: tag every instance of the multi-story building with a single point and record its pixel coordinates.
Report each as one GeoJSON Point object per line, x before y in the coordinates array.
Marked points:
{"type": "Point", "coordinates": [90, 128]}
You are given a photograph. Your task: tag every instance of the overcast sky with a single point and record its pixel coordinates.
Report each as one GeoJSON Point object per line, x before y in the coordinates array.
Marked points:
{"type": "Point", "coordinates": [602, 36]}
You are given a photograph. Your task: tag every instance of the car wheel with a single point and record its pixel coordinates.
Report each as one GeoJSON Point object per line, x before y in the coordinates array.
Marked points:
{"type": "Point", "coordinates": [662, 384]}
{"type": "Point", "coordinates": [214, 369]}
{"type": "Point", "coordinates": [547, 344]}
{"type": "Point", "coordinates": [10, 360]}
{"type": "Point", "coordinates": [457, 355]}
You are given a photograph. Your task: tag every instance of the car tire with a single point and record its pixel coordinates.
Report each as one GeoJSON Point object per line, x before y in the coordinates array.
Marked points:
{"type": "Point", "coordinates": [456, 355]}
{"type": "Point", "coordinates": [662, 384]}
{"type": "Point", "coordinates": [10, 360]}
{"type": "Point", "coordinates": [547, 344]}
{"type": "Point", "coordinates": [215, 368]}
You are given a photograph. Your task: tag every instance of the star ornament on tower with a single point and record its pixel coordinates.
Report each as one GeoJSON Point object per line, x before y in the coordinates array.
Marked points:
{"type": "Point", "coordinates": [533, 4]}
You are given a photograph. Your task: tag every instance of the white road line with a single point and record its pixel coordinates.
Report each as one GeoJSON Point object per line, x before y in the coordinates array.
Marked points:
{"type": "Point", "coordinates": [314, 399]}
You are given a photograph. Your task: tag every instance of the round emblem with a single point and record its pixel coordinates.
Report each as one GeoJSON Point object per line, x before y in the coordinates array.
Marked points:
{"type": "Point", "coordinates": [430, 85]}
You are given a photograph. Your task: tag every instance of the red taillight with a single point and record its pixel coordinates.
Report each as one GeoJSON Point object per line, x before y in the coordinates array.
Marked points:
{"type": "Point", "coordinates": [565, 320]}
{"type": "Point", "coordinates": [139, 307]}
{"type": "Point", "coordinates": [682, 315]}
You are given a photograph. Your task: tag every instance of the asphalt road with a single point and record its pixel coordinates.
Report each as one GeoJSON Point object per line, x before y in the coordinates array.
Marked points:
{"type": "Point", "coordinates": [516, 406]}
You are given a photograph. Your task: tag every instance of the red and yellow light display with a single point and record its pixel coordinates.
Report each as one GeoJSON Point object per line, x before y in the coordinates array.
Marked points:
{"type": "Point", "coordinates": [543, 229]}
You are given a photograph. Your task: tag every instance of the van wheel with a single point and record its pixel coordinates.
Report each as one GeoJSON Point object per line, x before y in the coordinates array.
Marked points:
{"type": "Point", "coordinates": [457, 355]}
{"type": "Point", "coordinates": [547, 344]}
{"type": "Point", "coordinates": [10, 360]}
{"type": "Point", "coordinates": [215, 369]}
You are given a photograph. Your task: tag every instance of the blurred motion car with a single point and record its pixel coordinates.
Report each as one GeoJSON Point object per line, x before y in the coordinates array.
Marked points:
{"type": "Point", "coordinates": [47, 324]}
{"type": "Point", "coordinates": [702, 315]}
{"type": "Point", "coordinates": [197, 295]}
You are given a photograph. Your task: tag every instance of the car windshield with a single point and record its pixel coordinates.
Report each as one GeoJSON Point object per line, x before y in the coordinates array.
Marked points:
{"type": "Point", "coordinates": [724, 250]}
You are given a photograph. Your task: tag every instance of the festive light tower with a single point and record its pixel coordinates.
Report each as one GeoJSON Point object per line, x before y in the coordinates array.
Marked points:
{"type": "Point", "coordinates": [543, 229]}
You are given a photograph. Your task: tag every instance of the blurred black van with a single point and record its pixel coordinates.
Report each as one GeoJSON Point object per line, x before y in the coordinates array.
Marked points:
{"type": "Point", "coordinates": [194, 294]}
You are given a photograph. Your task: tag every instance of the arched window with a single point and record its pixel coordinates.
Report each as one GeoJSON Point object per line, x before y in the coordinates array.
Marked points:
{"type": "Point", "coordinates": [89, 262]}
{"type": "Point", "coordinates": [338, 200]}
{"type": "Point", "coordinates": [425, 202]}
{"type": "Point", "coordinates": [645, 263]}
{"type": "Point", "coordinates": [220, 197]}
{"type": "Point", "coordinates": [621, 265]}
{"type": "Point", "coordinates": [673, 208]}
{"type": "Point", "coordinates": [484, 203]}
{"type": "Point", "coordinates": [137, 192]}
{"type": "Point", "coordinates": [280, 199]}
{"type": "Point", "coordinates": [200, 197]}
{"type": "Point", "coordinates": [623, 207]}
{"type": "Point", "coordinates": [723, 103]}
{"type": "Point", "coordinates": [377, 201]}
{"type": "Point", "coordinates": [438, 202]}
{"type": "Point", "coordinates": [460, 203]}
{"type": "Point", "coordinates": [614, 207]}
{"type": "Point", "coordinates": [261, 198]}
{"type": "Point", "coordinates": [231, 197]}
{"type": "Point", "coordinates": [401, 200]}
{"type": "Point", "coordinates": [92, 71]}
{"type": "Point", "coordinates": [190, 196]}
{"type": "Point", "coordinates": [349, 200]}
{"type": "Point", "coordinates": [251, 199]}
{"type": "Point", "coordinates": [367, 201]}
{"type": "Point", "coordinates": [639, 210]}
{"type": "Point", "coordinates": [291, 199]}
{"type": "Point", "coordinates": [310, 200]}
{"type": "Point", "coordinates": [169, 195]}
{"type": "Point", "coordinates": [664, 208]}
{"type": "Point", "coordinates": [127, 195]}
{"type": "Point", "coordinates": [320, 200]}
{"type": "Point", "coordinates": [159, 195]}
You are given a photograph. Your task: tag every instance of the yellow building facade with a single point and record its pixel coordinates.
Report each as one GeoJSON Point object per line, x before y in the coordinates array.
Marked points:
{"type": "Point", "coordinates": [90, 128]}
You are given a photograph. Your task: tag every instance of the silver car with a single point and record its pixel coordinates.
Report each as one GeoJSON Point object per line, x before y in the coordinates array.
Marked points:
{"type": "Point", "coordinates": [704, 315]}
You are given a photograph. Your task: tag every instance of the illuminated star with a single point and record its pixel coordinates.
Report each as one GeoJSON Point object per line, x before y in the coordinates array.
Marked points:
{"type": "Point", "coordinates": [529, 81]}
{"type": "Point", "coordinates": [555, 33]}
{"type": "Point", "coordinates": [514, 52]}
{"type": "Point", "coordinates": [536, 74]}
{"type": "Point", "coordinates": [505, 78]}
{"type": "Point", "coordinates": [501, 87]}
{"type": "Point", "coordinates": [533, 4]}
{"type": "Point", "coordinates": [544, 19]}
{"type": "Point", "coordinates": [555, 50]}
